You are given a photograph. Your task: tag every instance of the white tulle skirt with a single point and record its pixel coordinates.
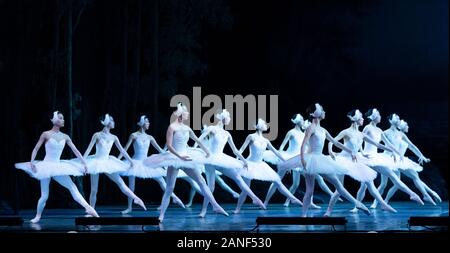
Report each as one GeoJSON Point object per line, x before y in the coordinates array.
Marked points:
{"type": "Point", "coordinates": [47, 169]}
{"type": "Point", "coordinates": [270, 157]}
{"type": "Point", "coordinates": [141, 171]}
{"type": "Point", "coordinates": [168, 159]}
{"type": "Point", "coordinates": [381, 160]}
{"type": "Point", "coordinates": [408, 164]}
{"type": "Point", "coordinates": [224, 162]}
{"type": "Point", "coordinates": [259, 171]}
{"type": "Point", "coordinates": [109, 165]}
{"type": "Point", "coordinates": [316, 163]}
{"type": "Point", "coordinates": [357, 170]}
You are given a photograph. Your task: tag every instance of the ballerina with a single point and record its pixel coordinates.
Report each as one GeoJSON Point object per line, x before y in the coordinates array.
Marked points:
{"type": "Point", "coordinates": [295, 138]}
{"type": "Point", "coordinates": [54, 168]}
{"type": "Point", "coordinates": [353, 140]}
{"type": "Point", "coordinates": [102, 162]}
{"type": "Point", "coordinates": [257, 168]}
{"type": "Point", "coordinates": [218, 137]}
{"type": "Point", "coordinates": [315, 162]}
{"type": "Point", "coordinates": [382, 162]}
{"type": "Point", "coordinates": [410, 168]}
{"type": "Point", "coordinates": [141, 142]}
{"type": "Point", "coordinates": [191, 161]}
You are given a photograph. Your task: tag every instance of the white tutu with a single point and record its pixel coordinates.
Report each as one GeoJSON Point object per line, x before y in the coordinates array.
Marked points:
{"type": "Point", "coordinates": [381, 160]}
{"type": "Point", "coordinates": [168, 159]}
{"type": "Point", "coordinates": [47, 169]}
{"type": "Point", "coordinates": [270, 157]}
{"type": "Point", "coordinates": [223, 161]}
{"type": "Point", "coordinates": [259, 171]}
{"type": "Point", "coordinates": [316, 163]}
{"type": "Point", "coordinates": [357, 170]}
{"type": "Point", "coordinates": [142, 171]}
{"type": "Point", "coordinates": [408, 164]}
{"type": "Point", "coordinates": [99, 165]}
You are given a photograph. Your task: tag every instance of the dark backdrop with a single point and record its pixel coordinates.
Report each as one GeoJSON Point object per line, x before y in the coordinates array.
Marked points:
{"type": "Point", "coordinates": [130, 57]}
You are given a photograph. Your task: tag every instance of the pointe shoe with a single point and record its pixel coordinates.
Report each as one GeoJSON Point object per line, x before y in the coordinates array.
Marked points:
{"type": "Point", "coordinates": [297, 201]}
{"type": "Point", "coordinates": [92, 212]}
{"type": "Point", "coordinates": [436, 196]}
{"type": "Point", "coordinates": [189, 204]}
{"type": "Point", "coordinates": [35, 219]}
{"type": "Point", "coordinates": [363, 208]}
{"type": "Point", "coordinates": [314, 206]}
{"type": "Point", "coordinates": [161, 218]}
{"type": "Point", "coordinates": [221, 211]}
{"type": "Point", "coordinates": [373, 206]}
{"type": "Point", "coordinates": [429, 200]}
{"type": "Point", "coordinates": [340, 200]}
{"type": "Point", "coordinates": [354, 210]}
{"type": "Point", "coordinates": [236, 195]}
{"type": "Point", "coordinates": [202, 214]}
{"type": "Point", "coordinates": [259, 203]}
{"type": "Point", "coordinates": [327, 214]}
{"type": "Point", "coordinates": [237, 211]}
{"type": "Point", "coordinates": [388, 208]}
{"type": "Point", "coordinates": [417, 199]}
{"type": "Point", "coordinates": [158, 208]}
{"type": "Point", "coordinates": [140, 203]}
{"type": "Point", "coordinates": [287, 203]}
{"type": "Point", "coordinates": [179, 202]}
{"type": "Point", "coordinates": [127, 211]}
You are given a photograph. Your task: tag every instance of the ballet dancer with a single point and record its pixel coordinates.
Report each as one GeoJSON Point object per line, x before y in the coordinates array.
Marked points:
{"type": "Point", "coordinates": [191, 161]}
{"type": "Point", "coordinates": [295, 138]}
{"type": "Point", "coordinates": [257, 168]}
{"type": "Point", "coordinates": [54, 168]}
{"type": "Point", "coordinates": [141, 143]}
{"type": "Point", "coordinates": [315, 162]}
{"type": "Point", "coordinates": [217, 137]}
{"type": "Point", "coordinates": [409, 168]}
{"type": "Point", "coordinates": [353, 140]}
{"type": "Point", "coordinates": [383, 163]}
{"type": "Point", "coordinates": [102, 162]}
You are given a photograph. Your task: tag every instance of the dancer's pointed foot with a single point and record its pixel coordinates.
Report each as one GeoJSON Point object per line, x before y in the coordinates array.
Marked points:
{"type": "Point", "coordinates": [127, 211]}
{"type": "Point", "coordinates": [36, 219]}
{"type": "Point", "coordinates": [362, 207]}
{"type": "Point", "coordinates": [259, 203]}
{"type": "Point", "coordinates": [388, 208]}
{"type": "Point", "coordinates": [158, 208]}
{"type": "Point", "coordinates": [220, 210]}
{"type": "Point", "coordinates": [91, 211]}
{"type": "Point", "coordinates": [436, 196]}
{"type": "Point", "coordinates": [178, 201]}
{"type": "Point", "coordinates": [416, 198]}
{"type": "Point", "coordinates": [235, 195]}
{"type": "Point", "coordinates": [327, 214]}
{"type": "Point", "coordinates": [161, 217]}
{"type": "Point", "coordinates": [429, 200]}
{"type": "Point", "coordinates": [297, 201]}
{"type": "Point", "coordinates": [202, 214]}
{"type": "Point", "coordinates": [314, 206]}
{"type": "Point", "coordinates": [340, 200]}
{"type": "Point", "coordinates": [287, 203]}
{"type": "Point", "coordinates": [140, 203]}
{"type": "Point", "coordinates": [237, 211]}
{"type": "Point", "coordinates": [354, 210]}
{"type": "Point", "coordinates": [189, 204]}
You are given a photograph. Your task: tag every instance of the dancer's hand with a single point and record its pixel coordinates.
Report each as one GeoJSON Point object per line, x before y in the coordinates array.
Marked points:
{"type": "Point", "coordinates": [85, 169]}
{"type": "Point", "coordinates": [185, 158]}
{"type": "Point", "coordinates": [132, 165]}
{"type": "Point", "coordinates": [207, 154]}
{"type": "Point", "coordinates": [245, 166]}
{"type": "Point", "coordinates": [333, 155]}
{"type": "Point", "coordinates": [423, 159]}
{"type": "Point", "coordinates": [33, 167]}
{"type": "Point", "coordinates": [354, 158]}
{"type": "Point", "coordinates": [395, 158]}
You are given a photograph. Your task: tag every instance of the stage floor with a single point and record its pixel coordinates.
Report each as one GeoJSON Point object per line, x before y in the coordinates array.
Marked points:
{"type": "Point", "coordinates": [177, 219]}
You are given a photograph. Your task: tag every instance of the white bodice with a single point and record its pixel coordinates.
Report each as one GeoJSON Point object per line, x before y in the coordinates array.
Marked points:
{"type": "Point", "coordinates": [141, 146]}
{"type": "Point", "coordinates": [257, 148]}
{"type": "Point", "coordinates": [53, 149]}
{"type": "Point", "coordinates": [103, 148]}
{"type": "Point", "coordinates": [317, 141]}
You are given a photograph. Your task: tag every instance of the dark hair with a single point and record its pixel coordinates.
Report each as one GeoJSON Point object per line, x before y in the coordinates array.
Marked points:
{"type": "Point", "coordinates": [351, 114]}
{"type": "Point", "coordinates": [368, 113]}
{"type": "Point", "coordinates": [310, 110]}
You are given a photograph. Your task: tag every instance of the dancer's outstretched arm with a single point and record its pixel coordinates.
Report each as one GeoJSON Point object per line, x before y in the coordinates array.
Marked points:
{"type": "Point", "coordinates": [247, 141]}
{"type": "Point", "coordinates": [194, 137]}
{"type": "Point", "coordinates": [339, 137]}
{"type": "Point", "coordinates": [127, 146]}
{"type": "Point", "coordinates": [379, 145]}
{"type": "Point", "coordinates": [235, 151]}
{"type": "Point", "coordinates": [76, 152]}
{"type": "Point", "coordinates": [36, 148]}
{"type": "Point", "coordinates": [122, 151]}
{"type": "Point", "coordinates": [271, 148]}
{"type": "Point", "coordinates": [91, 145]}
{"type": "Point", "coordinates": [204, 134]}
{"type": "Point", "coordinates": [414, 149]}
{"type": "Point", "coordinates": [155, 145]}
{"type": "Point", "coordinates": [339, 145]}
{"type": "Point", "coordinates": [285, 141]}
